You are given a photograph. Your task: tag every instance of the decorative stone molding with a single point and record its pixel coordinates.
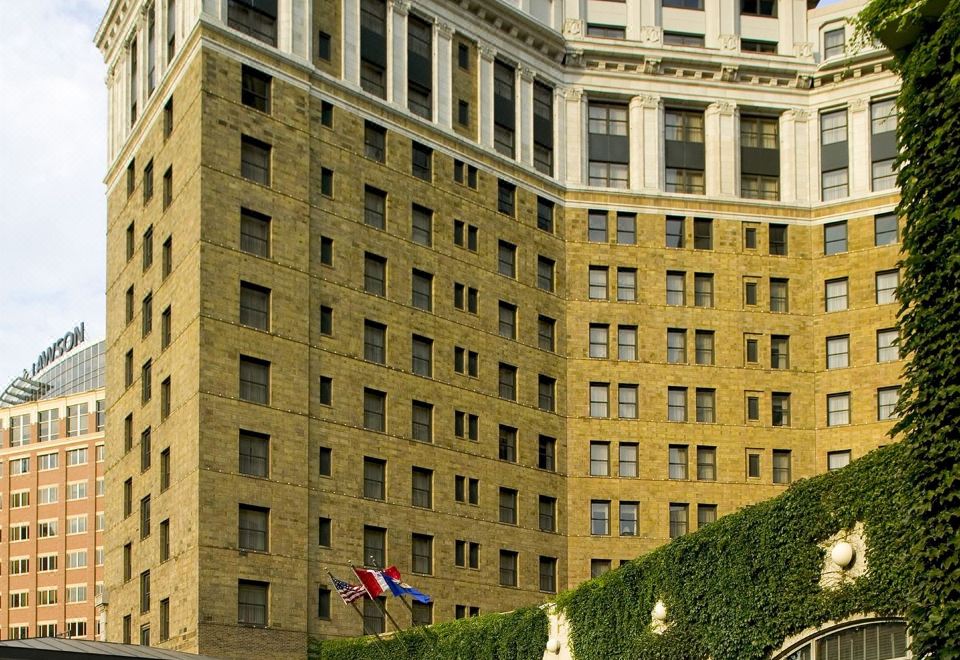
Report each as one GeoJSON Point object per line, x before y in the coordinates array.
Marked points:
{"type": "Point", "coordinates": [572, 27]}
{"type": "Point", "coordinates": [401, 7]}
{"type": "Point", "coordinates": [651, 65]}
{"type": "Point", "coordinates": [526, 73]}
{"type": "Point", "coordinates": [859, 105]}
{"type": "Point", "coordinates": [729, 42]}
{"type": "Point", "coordinates": [645, 101]}
{"type": "Point", "coordinates": [803, 49]}
{"type": "Point", "coordinates": [725, 108]}
{"type": "Point", "coordinates": [445, 30]}
{"type": "Point", "coordinates": [572, 93]}
{"type": "Point", "coordinates": [803, 81]}
{"type": "Point", "coordinates": [574, 58]}
{"type": "Point", "coordinates": [729, 73]}
{"type": "Point", "coordinates": [797, 114]}
{"type": "Point", "coordinates": [651, 34]}
{"type": "Point", "coordinates": [845, 557]}
{"type": "Point", "coordinates": [487, 52]}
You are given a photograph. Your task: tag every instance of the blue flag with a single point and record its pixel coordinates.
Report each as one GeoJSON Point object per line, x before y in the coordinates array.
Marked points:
{"type": "Point", "coordinates": [400, 589]}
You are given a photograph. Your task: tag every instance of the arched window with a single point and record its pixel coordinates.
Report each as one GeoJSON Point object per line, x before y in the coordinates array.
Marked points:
{"type": "Point", "coordinates": [861, 640]}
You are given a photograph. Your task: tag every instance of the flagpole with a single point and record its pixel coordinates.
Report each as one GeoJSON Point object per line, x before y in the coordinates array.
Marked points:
{"type": "Point", "coordinates": [377, 601]}
{"type": "Point", "coordinates": [363, 623]}
{"type": "Point", "coordinates": [410, 607]}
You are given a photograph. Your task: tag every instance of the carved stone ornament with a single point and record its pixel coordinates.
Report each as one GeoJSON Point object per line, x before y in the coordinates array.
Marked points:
{"type": "Point", "coordinates": [573, 93]}
{"type": "Point", "coordinates": [401, 7]}
{"type": "Point", "coordinates": [525, 73]}
{"type": "Point", "coordinates": [487, 51]}
{"type": "Point", "coordinates": [574, 58]}
{"type": "Point", "coordinates": [725, 108]}
{"type": "Point", "coordinates": [729, 73]}
{"type": "Point", "coordinates": [804, 49]}
{"type": "Point", "coordinates": [859, 105]}
{"type": "Point", "coordinates": [651, 65]}
{"type": "Point", "coordinates": [445, 30]}
{"type": "Point", "coordinates": [572, 27]}
{"type": "Point", "coordinates": [799, 114]}
{"type": "Point", "coordinates": [729, 42]}
{"type": "Point", "coordinates": [651, 34]}
{"type": "Point", "coordinates": [644, 101]}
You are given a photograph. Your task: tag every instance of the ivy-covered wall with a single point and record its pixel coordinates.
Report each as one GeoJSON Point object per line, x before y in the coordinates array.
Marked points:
{"type": "Point", "coordinates": [925, 35]}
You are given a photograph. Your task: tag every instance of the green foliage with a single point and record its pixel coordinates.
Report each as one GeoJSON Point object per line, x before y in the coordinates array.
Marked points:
{"type": "Point", "coordinates": [929, 136]}
{"type": "Point", "coordinates": [518, 635]}
{"type": "Point", "coordinates": [737, 588]}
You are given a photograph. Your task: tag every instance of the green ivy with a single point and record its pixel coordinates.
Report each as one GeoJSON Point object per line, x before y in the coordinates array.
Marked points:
{"type": "Point", "coordinates": [737, 588]}
{"type": "Point", "coordinates": [929, 136]}
{"type": "Point", "coordinates": [518, 635]}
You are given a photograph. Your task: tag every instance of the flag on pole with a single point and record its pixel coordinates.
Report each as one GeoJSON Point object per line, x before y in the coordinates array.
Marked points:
{"type": "Point", "coordinates": [373, 581]}
{"type": "Point", "coordinates": [348, 592]}
{"type": "Point", "coordinates": [399, 588]}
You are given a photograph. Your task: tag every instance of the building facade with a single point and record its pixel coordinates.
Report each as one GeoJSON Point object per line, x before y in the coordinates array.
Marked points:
{"type": "Point", "coordinates": [52, 442]}
{"type": "Point", "coordinates": [503, 294]}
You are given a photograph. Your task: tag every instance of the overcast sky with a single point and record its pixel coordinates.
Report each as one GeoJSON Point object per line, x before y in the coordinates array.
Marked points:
{"type": "Point", "coordinates": [52, 161]}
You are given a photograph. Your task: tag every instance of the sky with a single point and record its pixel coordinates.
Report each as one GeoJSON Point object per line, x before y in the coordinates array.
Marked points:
{"type": "Point", "coordinates": [52, 161]}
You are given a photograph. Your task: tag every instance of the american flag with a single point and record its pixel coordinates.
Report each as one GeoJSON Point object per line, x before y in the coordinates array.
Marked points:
{"type": "Point", "coordinates": [348, 592]}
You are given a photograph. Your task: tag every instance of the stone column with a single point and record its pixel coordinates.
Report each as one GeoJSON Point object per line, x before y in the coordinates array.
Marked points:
{"type": "Point", "coordinates": [633, 19]}
{"type": "Point", "coordinates": [560, 142]}
{"type": "Point", "coordinates": [859, 169]}
{"type": "Point", "coordinates": [443, 74]}
{"type": "Point", "coordinates": [646, 143]}
{"type": "Point", "coordinates": [575, 135]}
{"type": "Point", "coordinates": [485, 84]}
{"type": "Point", "coordinates": [795, 156]}
{"type": "Point", "coordinates": [722, 157]}
{"type": "Point", "coordinates": [712, 23]}
{"type": "Point", "coordinates": [397, 11]}
{"type": "Point", "coordinates": [524, 113]}
{"type": "Point", "coordinates": [350, 62]}
{"type": "Point", "coordinates": [285, 25]}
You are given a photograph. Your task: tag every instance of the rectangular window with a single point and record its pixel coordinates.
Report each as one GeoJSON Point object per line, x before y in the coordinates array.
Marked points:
{"type": "Point", "coordinates": [781, 466]}
{"type": "Point", "coordinates": [374, 208]}
{"type": "Point", "coordinates": [834, 184]}
{"type": "Point", "coordinates": [887, 398]}
{"type": "Point", "coordinates": [677, 461]}
{"type": "Point", "coordinates": [422, 488]}
{"type": "Point", "coordinates": [145, 517]}
{"type": "Point", "coordinates": [374, 142]}
{"type": "Point", "coordinates": [508, 568]}
{"type": "Point", "coordinates": [885, 229]}
{"type": "Point", "coordinates": [422, 290]}
{"type": "Point", "coordinates": [706, 514]}
{"type": "Point", "coordinates": [780, 408]}
{"type": "Point", "coordinates": [548, 575]}
{"type": "Point", "coordinates": [255, 88]}
{"type": "Point", "coordinates": [628, 459]}
{"type": "Point", "coordinates": [546, 399]}
{"type": "Point", "coordinates": [422, 161]}
{"type": "Point", "coordinates": [608, 129]}
{"type": "Point", "coordinates": [545, 273]}
{"type": "Point", "coordinates": [702, 234]}
{"type": "Point", "coordinates": [507, 259]}
{"type": "Point", "coordinates": [676, 346]}
{"type": "Point", "coordinates": [779, 352]}
{"type": "Point", "coordinates": [422, 554]}
{"type": "Point", "coordinates": [506, 197]}
{"type": "Point", "coordinates": [677, 404]}
{"type": "Point", "coordinates": [675, 231]}
{"type": "Point", "coordinates": [704, 346]}
{"type": "Point", "coordinates": [706, 463]}
{"type": "Point", "coordinates": [547, 453]}
{"type": "Point", "coordinates": [254, 380]}
{"type": "Point", "coordinates": [599, 459]}
{"type": "Point", "coordinates": [627, 342]}
{"type": "Point", "coordinates": [598, 282]}
{"type": "Point", "coordinates": [600, 517]}
{"type": "Point", "coordinates": [887, 282]}
{"type": "Point", "coordinates": [597, 226]}
{"type": "Point", "coordinates": [252, 603]}
{"type": "Point", "coordinates": [706, 405]}
{"type": "Point", "coordinates": [835, 237]}
{"type": "Point", "coordinates": [598, 336]}
{"type": "Point", "coordinates": [254, 528]}
{"type": "Point", "coordinates": [254, 233]}
{"type": "Point", "coordinates": [507, 443]}
{"type": "Point", "coordinates": [887, 348]}
{"type": "Point", "coordinates": [254, 454]}
{"type": "Point", "coordinates": [374, 478]}
{"type": "Point", "coordinates": [374, 621]}
{"type": "Point", "coordinates": [508, 506]}
{"type": "Point", "coordinates": [545, 210]}
{"type": "Point", "coordinates": [255, 160]}
{"type": "Point", "coordinates": [49, 427]}
{"type": "Point", "coordinates": [606, 31]}
{"type": "Point", "coordinates": [255, 19]}
{"type": "Point", "coordinates": [504, 96]}
{"type": "Point", "coordinates": [834, 43]}
{"type": "Point", "coordinates": [629, 516]}
{"type": "Point", "coordinates": [838, 409]}
{"type": "Point", "coordinates": [627, 401]}
{"type": "Point", "coordinates": [422, 225]}
{"type": "Point", "coordinates": [375, 342]}
{"type": "Point", "coordinates": [599, 399]}
{"type": "Point", "coordinates": [626, 228]}
{"type": "Point", "coordinates": [777, 239]}
{"type": "Point", "coordinates": [374, 410]}
{"type": "Point", "coordinates": [676, 288]}
{"type": "Point", "coordinates": [703, 289]}
{"type": "Point", "coordinates": [835, 294]}
{"type": "Point", "coordinates": [626, 284]}
{"type": "Point", "coordinates": [254, 306]}
{"type": "Point", "coordinates": [421, 418]}
{"type": "Point", "coordinates": [838, 352]}
{"type": "Point", "coordinates": [507, 320]}
{"type": "Point", "coordinates": [679, 519]}
{"type": "Point", "coordinates": [838, 459]}
{"type": "Point", "coordinates": [683, 39]}
{"type": "Point", "coordinates": [422, 356]}
{"type": "Point", "coordinates": [546, 333]}
{"type": "Point", "coordinates": [507, 382]}
{"type": "Point", "coordinates": [778, 295]}
{"type": "Point", "coordinates": [375, 274]}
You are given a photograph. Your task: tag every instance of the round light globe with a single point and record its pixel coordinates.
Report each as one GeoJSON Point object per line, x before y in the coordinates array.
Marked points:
{"type": "Point", "coordinates": [842, 554]}
{"type": "Point", "coordinates": [659, 612]}
{"type": "Point", "coordinates": [553, 645]}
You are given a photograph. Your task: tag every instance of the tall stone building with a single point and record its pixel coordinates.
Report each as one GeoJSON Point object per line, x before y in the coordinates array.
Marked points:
{"type": "Point", "coordinates": [503, 294]}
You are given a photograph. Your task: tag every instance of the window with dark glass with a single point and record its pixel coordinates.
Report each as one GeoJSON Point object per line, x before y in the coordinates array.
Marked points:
{"type": "Point", "coordinates": [543, 127]}
{"type": "Point", "coordinates": [419, 66]}
{"type": "Point", "coordinates": [684, 150]}
{"type": "Point", "coordinates": [374, 142]}
{"type": "Point", "coordinates": [375, 274]}
{"type": "Point", "coordinates": [254, 306]}
{"type": "Point", "coordinates": [374, 410]}
{"type": "Point", "coordinates": [254, 380]}
{"type": "Point", "coordinates": [255, 88]}
{"type": "Point", "coordinates": [504, 108]}
{"type": "Point", "coordinates": [759, 152]}
{"type": "Point", "coordinates": [256, 18]}
{"type": "Point", "coordinates": [609, 148]}
{"type": "Point", "coordinates": [255, 160]}
{"type": "Point", "coordinates": [254, 233]}
{"type": "Point", "coordinates": [373, 47]}
{"type": "Point", "coordinates": [422, 161]}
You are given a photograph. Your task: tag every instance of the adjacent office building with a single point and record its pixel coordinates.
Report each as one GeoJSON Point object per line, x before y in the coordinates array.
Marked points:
{"type": "Point", "coordinates": [502, 293]}
{"type": "Point", "coordinates": [51, 495]}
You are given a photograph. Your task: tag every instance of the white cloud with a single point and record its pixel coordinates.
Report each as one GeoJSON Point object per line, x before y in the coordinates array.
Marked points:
{"type": "Point", "coordinates": [52, 162]}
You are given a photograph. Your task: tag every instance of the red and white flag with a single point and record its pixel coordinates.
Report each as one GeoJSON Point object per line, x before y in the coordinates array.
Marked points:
{"type": "Point", "coordinates": [372, 581]}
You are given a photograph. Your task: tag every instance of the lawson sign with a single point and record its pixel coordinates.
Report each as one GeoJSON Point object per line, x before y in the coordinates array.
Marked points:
{"type": "Point", "coordinates": [71, 340]}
